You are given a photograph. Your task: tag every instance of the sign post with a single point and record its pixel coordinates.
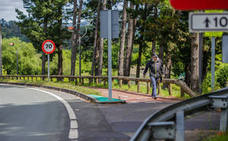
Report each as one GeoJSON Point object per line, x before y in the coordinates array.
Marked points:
{"type": "Point", "coordinates": [48, 47]}
{"type": "Point", "coordinates": [202, 22]}
{"type": "Point", "coordinates": [109, 55]}
{"type": "Point", "coordinates": [213, 63]}
{"type": "Point", "coordinates": [109, 26]}
{"type": "Point", "coordinates": [225, 49]}
{"type": "Point", "coordinates": [0, 50]}
{"type": "Point", "coordinates": [214, 24]}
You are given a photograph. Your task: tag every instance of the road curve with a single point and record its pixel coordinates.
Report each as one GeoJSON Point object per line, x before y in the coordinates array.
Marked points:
{"type": "Point", "coordinates": [28, 114]}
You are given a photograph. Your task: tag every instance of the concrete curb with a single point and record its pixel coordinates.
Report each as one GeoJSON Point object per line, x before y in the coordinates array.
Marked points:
{"type": "Point", "coordinates": [83, 96]}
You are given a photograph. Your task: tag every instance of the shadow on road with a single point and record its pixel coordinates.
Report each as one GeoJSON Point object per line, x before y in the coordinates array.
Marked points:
{"type": "Point", "coordinates": [38, 122]}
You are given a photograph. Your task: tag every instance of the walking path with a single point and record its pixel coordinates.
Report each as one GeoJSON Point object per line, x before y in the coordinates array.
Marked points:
{"type": "Point", "coordinates": [132, 97]}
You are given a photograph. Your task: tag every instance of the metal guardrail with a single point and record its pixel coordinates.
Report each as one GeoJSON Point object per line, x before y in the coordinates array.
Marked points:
{"type": "Point", "coordinates": [168, 123]}
{"type": "Point", "coordinates": [98, 79]}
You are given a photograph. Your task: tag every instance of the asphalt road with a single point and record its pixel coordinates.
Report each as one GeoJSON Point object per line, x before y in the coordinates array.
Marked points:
{"type": "Point", "coordinates": [45, 115]}
{"type": "Point", "coordinates": [31, 115]}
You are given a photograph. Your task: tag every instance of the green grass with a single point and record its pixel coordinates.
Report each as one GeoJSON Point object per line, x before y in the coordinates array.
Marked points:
{"type": "Point", "coordinates": [60, 84]}
{"type": "Point", "coordinates": [143, 88]}
{"type": "Point", "coordinates": [84, 89]}
{"type": "Point", "coordinates": [218, 138]}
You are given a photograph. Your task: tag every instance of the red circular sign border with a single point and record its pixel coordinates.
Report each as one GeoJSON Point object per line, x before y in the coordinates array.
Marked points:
{"type": "Point", "coordinates": [45, 50]}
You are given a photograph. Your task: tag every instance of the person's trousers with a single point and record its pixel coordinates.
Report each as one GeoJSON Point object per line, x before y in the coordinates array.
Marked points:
{"type": "Point", "coordinates": [153, 81]}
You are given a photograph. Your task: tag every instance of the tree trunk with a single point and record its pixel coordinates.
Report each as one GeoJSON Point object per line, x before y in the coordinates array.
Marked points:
{"type": "Point", "coordinates": [43, 63]}
{"type": "Point", "coordinates": [43, 54]}
{"type": "Point", "coordinates": [161, 52]}
{"type": "Point", "coordinates": [78, 26]}
{"type": "Point", "coordinates": [122, 41]}
{"type": "Point", "coordinates": [153, 47]}
{"type": "Point", "coordinates": [200, 61]}
{"type": "Point", "coordinates": [129, 47]}
{"type": "Point", "coordinates": [101, 49]}
{"type": "Point", "coordinates": [188, 74]}
{"type": "Point", "coordinates": [195, 62]}
{"type": "Point", "coordinates": [95, 53]}
{"type": "Point", "coordinates": [139, 60]}
{"type": "Point", "coordinates": [60, 60]}
{"type": "Point", "coordinates": [60, 55]}
{"type": "Point", "coordinates": [168, 67]}
{"type": "Point", "coordinates": [73, 38]}
{"type": "Point", "coordinates": [141, 43]}
{"type": "Point", "coordinates": [0, 50]}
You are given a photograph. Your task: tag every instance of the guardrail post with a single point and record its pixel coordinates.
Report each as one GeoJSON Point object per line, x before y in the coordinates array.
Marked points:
{"type": "Point", "coordinates": [120, 83]}
{"type": "Point", "coordinates": [159, 88]}
{"type": "Point", "coordinates": [148, 87]}
{"type": "Point", "coordinates": [96, 81]}
{"type": "Point", "coordinates": [221, 102]}
{"type": "Point", "coordinates": [179, 126]}
{"type": "Point", "coordinates": [129, 84]}
{"type": "Point", "coordinates": [138, 87]}
{"type": "Point", "coordinates": [162, 130]}
{"type": "Point", "coordinates": [76, 81]}
{"type": "Point", "coordinates": [170, 89]}
{"type": "Point", "coordinates": [82, 81]}
{"type": "Point", "coordinates": [224, 120]}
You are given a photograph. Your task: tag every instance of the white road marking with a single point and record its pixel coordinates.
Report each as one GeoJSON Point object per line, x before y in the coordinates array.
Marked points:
{"type": "Point", "coordinates": [73, 133]}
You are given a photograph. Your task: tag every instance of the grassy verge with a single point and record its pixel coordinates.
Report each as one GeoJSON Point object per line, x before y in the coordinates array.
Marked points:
{"type": "Point", "coordinates": [60, 84]}
{"type": "Point", "coordinates": [223, 137]}
{"type": "Point", "coordinates": [84, 89]}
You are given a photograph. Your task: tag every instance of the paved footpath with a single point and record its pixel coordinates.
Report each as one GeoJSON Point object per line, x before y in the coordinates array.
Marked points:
{"type": "Point", "coordinates": [132, 97]}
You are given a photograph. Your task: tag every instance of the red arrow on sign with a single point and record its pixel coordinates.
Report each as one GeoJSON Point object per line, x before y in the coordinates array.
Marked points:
{"type": "Point", "coordinates": [199, 4]}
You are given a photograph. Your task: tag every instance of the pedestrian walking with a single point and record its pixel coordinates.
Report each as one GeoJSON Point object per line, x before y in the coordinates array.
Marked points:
{"type": "Point", "coordinates": [155, 67]}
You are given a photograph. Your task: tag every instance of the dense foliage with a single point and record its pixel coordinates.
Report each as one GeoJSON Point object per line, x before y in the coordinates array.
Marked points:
{"type": "Point", "coordinates": [157, 28]}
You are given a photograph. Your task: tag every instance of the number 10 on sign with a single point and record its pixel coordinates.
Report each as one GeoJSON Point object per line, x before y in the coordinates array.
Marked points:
{"type": "Point", "coordinates": [48, 48]}
{"type": "Point", "coordinates": [203, 22]}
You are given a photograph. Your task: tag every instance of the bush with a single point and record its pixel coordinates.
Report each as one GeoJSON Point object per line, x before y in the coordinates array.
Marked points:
{"type": "Point", "coordinates": [222, 75]}
{"type": "Point", "coordinates": [221, 78]}
{"type": "Point", "coordinates": [28, 60]}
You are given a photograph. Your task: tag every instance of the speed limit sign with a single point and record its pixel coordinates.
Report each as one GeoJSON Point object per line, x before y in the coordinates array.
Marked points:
{"type": "Point", "coordinates": [48, 46]}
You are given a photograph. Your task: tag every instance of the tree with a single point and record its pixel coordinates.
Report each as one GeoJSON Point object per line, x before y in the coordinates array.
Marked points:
{"type": "Point", "coordinates": [195, 62]}
{"type": "Point", "coordinates": [122, 39]}
{"type": "Point", "coordinates": [142, 38]}
{"type": "Point", "coordinates": [76, 34]}
{"type": "Point", "coordinates": [101, 46]}
{"type": "Point", "coordinates": [44, 21]}
{"type": "Point", "coordinates": [73, 40]}
{"type": "Point", "coordinates": [130, 37]}
{"type": "Point", "coordinates": [95, 50]}
{"type": "Point", "coordinates": [28, 59]}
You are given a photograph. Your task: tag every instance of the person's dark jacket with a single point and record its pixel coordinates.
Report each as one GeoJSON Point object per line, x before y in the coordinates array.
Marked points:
{"type": "Point", "coordinates": [154, 71]}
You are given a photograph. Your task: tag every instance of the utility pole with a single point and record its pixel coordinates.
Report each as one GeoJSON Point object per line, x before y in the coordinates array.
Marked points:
{"type": "Point", "coordinates": [0, 50]}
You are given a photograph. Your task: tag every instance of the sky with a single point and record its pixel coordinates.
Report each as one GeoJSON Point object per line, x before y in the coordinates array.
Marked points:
{"type": "Point", "coordinates": [7, 9]}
